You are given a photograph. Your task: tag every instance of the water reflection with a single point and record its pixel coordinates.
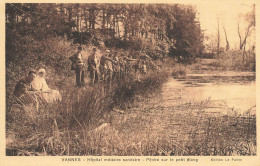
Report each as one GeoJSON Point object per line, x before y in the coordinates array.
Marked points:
{"type": "Point", "coordinates": [236, 93]}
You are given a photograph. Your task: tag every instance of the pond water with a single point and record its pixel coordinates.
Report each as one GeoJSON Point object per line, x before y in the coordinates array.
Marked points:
{"type": "Point", "coordinates": [192, 111]}
{"type": "Point", "coordinates": [229, 92]}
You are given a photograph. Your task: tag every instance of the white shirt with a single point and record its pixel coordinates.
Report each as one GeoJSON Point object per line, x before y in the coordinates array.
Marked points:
{"type": "Point", "coordinates": [39, 83]}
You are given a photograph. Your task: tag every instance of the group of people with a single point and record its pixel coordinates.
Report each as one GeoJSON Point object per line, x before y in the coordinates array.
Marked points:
{"type": "Point", "coordinates": [34, 88]}
{"type": "Point", "coordinates": [110, 66]}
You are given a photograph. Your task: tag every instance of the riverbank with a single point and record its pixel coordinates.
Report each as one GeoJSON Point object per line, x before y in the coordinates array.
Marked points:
{"type": "Point", "coordinates": [153, 115]}
{"type": "Point", "coordinates": [199, 114]}
{"type": "Point", "coordinates": [67, 127]}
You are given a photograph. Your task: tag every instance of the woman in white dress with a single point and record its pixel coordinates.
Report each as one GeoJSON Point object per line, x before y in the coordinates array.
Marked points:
{"type": "Point", "coordinates": [39, 84]}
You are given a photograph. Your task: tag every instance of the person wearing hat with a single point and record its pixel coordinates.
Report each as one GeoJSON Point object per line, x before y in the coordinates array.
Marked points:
{"type": "Point", "coordinates": [39, 84]}
{"type": "Point", "coordinates": [116, 66]}
{"type": "Point", "coordinates": [135, 64]}
{"type": "Point", "coordinates": [104, 66]}
{"type": "Point", "coordinates": [109, 71]}
{"type": "Point", "coordinates": [125, 63]}
{"type": "Point", "coordinates": [78, 66]}
{"type": "Point", "coordinates": [25, 84]}
{"type": "Point", "coordinates": [122, 63]}
{"type": "Point", "coordinates": [128, 63]}
{"type": "Point", "coordinates": [23, 92]}
{"type": "Point", "coordinates": [92, 66]}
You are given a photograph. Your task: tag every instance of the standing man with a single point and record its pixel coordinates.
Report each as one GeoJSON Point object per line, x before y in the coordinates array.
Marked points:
{"type": "Point", "coordinates": [116, 66]}
{"type": "Point", "coordinates": [109, 72]}
{"type": "Point", "coordinates": [122, 64]}
{"type": "Point", "coordinates": [104, 66]}
{"type": "Point", "coordinates": [78, 66]}
{"type": "Point", "coordinates": [128, 63]}
{"type": "Point", "coordinates": [92, 66]}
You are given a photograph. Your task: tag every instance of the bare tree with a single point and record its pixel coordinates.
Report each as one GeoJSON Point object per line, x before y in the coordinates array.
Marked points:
{"type": "Point", "coordinates": [250, 17]}
{"type": "Point", "coordinates": [242, 42]}
{"type": "Point", "coordinates": [227, 43]}
{"type": "Point", "coordinates": [218, 44]}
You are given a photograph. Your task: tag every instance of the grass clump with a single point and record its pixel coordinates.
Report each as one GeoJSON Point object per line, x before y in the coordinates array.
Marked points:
{"type": "Point", "coordinates": [235, 60]}
{"type": "Point", "coordinates": [66, 128]}
{"type": "Point", "coordinates": [180, 70]}
{"type": "Point", "coordinates": [63, 128]}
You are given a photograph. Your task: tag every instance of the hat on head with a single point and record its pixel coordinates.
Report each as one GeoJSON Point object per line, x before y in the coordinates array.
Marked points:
{"type": "Point", "coordinates": [79, 48]}
{"type": "Point", "coordinates": [31, 72]}
{"type": "Point", "coordinates": [41, 70]}
{"type": "Point", "coordinates": [108, 51]}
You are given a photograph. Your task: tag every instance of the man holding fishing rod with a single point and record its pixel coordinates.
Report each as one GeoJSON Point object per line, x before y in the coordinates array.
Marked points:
{"type": "Point", "coordinates": [78, 66]}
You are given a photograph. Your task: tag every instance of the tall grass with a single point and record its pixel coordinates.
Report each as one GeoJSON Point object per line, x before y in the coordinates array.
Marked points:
{"type": "Point", "coordinates": [235, 60]}
{"type": "Point", "coordinates": [180, 70]}
{"type": "Point", "coordinates": [185, 130]}
{"type": "Point", "coordinates": [64, 128]}
{"type": "Point", "coordinates": [83, 124]}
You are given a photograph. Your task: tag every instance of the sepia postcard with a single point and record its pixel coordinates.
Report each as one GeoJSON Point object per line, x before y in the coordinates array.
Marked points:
{"type": "Point", "coordinates": [129, 83]}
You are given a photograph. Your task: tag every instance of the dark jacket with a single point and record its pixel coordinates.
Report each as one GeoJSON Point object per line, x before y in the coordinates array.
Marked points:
{"type": "Point", "coordinates": [21, 87]}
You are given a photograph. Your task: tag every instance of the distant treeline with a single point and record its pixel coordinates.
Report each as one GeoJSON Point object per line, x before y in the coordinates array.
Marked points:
{"type": "Point", "coordinates": [159, 29]}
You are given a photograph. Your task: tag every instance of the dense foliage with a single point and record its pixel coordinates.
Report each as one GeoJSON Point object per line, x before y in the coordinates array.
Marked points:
{"type": "Point", "coordinates": [44, 35]}
{"type": "Point", "coordinates": [158, 28]}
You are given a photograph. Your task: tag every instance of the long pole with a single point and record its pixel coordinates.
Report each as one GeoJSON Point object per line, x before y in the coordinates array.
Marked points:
{"type": "Point", "coordinates": [80, 26]}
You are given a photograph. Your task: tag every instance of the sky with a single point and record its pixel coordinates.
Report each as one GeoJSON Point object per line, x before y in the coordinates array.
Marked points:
{"type": "Point", "coordinates": [229, 13]}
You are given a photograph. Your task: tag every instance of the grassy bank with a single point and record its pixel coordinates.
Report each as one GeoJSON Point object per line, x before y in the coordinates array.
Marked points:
{"type": "Point", "coordinates": [65, 128]}
{"type": "Point", "coordinates": [232, 60]}
{"type": "Point", "coordinates": [123, 119]}
{"type": "Point", "coordinates": [142, 130]}
{"type": "Point", "coordinates": [126, 119]}
{"type": "Point", "coordinates": [181, 130]}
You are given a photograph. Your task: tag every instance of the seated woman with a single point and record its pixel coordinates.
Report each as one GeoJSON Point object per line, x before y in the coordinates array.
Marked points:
{"type": "Point", "coordinates": [39, 84]}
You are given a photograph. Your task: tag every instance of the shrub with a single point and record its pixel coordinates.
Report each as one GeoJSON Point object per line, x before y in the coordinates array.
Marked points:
{"type": "Point", "coordinates": [49, 131]}
{"type": "Point", "coordinates": [235, 60]}
{"type": "Point", "coordinates": [26, 53]}
{"type": "Point", "coordinates": [180, 71]}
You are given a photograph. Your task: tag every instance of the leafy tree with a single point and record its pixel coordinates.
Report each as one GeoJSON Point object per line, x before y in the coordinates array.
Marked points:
{"type": "Point", "coordinates": [160, 29]}
{"type": "Point", "coordinates": [185, 32]}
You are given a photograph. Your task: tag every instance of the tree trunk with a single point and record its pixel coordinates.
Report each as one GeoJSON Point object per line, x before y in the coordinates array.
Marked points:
{"type": "Point", "coordinates": [77, 17]}
{"type": "Point", "coordinates": [90, 18]}
{"type": "Point", "coordinates": [244, 50]}
{"type": "Point", "coordinates": [158, 32]}
{"type": "Point", "coordinates": [246, 35]}
{"type": "Point", "coordinates": [86, 19]}
{"type": "Point", "coordinates": [103, 21]}
{"type": "Point", "coordinates": [93, 22]}
{"type": "Point", "coordinates": [240, 40]}
{"type": "Point", "coordinates": [114, 24]}
{"type": "Point", "coordinates": [118, 30]}
{"type": "Point", "coordinates": [125, 33]}
{"type": "Point", "coordinates": [218, 44]}
{"type": "Point", "coordinates": [227, 43]}
{"type": "Point", "coordinates": [70, 18]}
{"type": "Point", "coordinates": [80, 27]}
